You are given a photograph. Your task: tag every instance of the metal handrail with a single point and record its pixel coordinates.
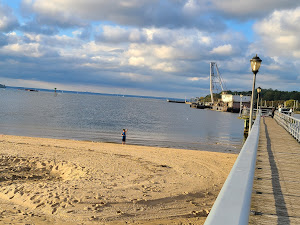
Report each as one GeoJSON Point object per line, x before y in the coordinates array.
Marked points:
{"type": "Point", "coordinates": [291, 124]}
{"type": "Point", "coordinates": [264, 112]}
{"type": "Point", "coordinates": [232, 206]}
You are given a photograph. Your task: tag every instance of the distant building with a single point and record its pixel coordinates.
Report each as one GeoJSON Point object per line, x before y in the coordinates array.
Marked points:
{"type": "Point", "coordinates": [232, 103]}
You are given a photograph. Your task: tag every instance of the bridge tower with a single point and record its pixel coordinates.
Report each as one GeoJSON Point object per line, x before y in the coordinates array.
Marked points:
{"type": "Point", "coordinates": [216, 82]}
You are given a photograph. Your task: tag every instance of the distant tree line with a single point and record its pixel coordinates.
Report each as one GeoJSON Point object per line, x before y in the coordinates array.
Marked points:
{"type": "Point", "coordinates": [268, 97]}
{"type": "Point", "coordinates": [265, 94]}
{"type": "Point", "coordinates": [272, 95]}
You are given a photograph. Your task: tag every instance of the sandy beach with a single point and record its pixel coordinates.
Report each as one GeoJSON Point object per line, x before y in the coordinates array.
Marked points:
{"type": "Point", "coordinates": [50, 181]}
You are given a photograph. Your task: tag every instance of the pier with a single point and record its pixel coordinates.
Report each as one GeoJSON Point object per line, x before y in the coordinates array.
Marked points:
{"type": "Point", "coordinates": [276, 187]}
{"type": "Point", "coordinates": [263, 185]}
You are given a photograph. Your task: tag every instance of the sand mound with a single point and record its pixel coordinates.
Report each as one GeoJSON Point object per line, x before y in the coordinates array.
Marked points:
{"type": "Point", "coordinates": [35, 183]}
{"type": "Point", "coordinates": [18, 168]}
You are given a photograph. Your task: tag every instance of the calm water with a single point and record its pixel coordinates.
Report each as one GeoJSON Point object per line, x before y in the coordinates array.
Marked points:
{"type": "Point", "coordinates": [149, 122]}
{"type": "Point", "coordinates": [296, 116]}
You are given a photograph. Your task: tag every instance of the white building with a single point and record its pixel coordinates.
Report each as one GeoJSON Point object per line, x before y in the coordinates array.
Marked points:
{"type": "Point", "coordinates": [235, 98]}
{"type": "Point", "coordinates": [234, 101]}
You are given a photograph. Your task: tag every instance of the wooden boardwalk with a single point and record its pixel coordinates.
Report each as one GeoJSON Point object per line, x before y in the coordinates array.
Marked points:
{"type": "Point", "coordinates": [276, 188]}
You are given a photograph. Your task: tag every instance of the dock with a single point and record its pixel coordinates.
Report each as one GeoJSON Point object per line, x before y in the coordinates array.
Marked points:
{"type": "Point", "coordinates": [276, 187]}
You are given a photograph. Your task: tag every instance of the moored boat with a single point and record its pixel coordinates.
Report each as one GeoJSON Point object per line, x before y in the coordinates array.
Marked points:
{"type": "Point", "coordinates": [175, 101]}
{"type": "Point", "coordinates": [28, 89]}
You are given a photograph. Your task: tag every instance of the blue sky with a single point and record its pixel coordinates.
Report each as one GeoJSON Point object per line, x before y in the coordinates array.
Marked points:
{"type": "Point", "coordinates": [148, 47]}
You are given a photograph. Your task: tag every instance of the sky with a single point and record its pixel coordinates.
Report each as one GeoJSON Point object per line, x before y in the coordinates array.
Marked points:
{"type": "Point", "coordinates": [159, 48]}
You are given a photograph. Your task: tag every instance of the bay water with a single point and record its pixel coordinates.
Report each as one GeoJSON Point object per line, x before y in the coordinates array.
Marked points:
{"type": "Point", "coordinates": [100, 118]}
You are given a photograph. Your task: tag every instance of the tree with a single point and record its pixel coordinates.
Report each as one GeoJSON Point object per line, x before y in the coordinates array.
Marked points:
{"type": "Point", "coordinates": [266, 94]}
{"type": "Point", "coordinates": [290, 103]}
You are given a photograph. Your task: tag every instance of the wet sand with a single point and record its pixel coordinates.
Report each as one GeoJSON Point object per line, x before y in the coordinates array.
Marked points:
{"type": "Point", "coordinates": [51, 181]}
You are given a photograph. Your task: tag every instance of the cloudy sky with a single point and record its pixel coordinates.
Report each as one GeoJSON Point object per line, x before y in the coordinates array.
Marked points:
{"type": "Point", "coordinates": [149, 47]}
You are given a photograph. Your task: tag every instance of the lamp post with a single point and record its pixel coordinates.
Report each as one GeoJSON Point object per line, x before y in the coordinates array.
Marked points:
{"type": "Point", "coordinates": [258, 92]}
{"type": "Point", "coordinates": [255, 64]}
{"type": "Point", "coordinates": [241, 104]}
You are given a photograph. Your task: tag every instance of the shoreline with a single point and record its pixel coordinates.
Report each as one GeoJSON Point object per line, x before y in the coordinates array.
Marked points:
{"type": "Point", "coordinates": [57, 180]}
{"type": "Point", "coordinates": [211, 147]}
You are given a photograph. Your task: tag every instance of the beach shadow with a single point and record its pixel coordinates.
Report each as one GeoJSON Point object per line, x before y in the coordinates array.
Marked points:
{"type": "Point", "coordinates": [156, 202]}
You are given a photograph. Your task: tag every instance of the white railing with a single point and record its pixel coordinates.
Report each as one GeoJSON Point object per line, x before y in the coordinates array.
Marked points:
{"type": "Point", "coordinates": [291, 124]}
{"type": "Point", "coordinates": [264, 112]}
{"type": "Point", "coordinates": [232, 206]}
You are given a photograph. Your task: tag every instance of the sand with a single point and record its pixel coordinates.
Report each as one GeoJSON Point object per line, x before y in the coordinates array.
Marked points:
{"type": "Point", "coordinates": [50, 181]}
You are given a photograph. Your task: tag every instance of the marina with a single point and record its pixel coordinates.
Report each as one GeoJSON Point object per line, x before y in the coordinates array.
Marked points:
{"type": "Point", "coordinates": [227, 102]}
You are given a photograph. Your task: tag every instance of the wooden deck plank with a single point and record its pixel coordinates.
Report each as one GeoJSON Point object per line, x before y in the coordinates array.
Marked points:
{"type": "Point", "coordinates": [270, 219]}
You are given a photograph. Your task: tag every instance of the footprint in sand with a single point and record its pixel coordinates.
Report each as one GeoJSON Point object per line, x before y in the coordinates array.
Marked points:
{"type": "Point", "coordinates": [39, 205]}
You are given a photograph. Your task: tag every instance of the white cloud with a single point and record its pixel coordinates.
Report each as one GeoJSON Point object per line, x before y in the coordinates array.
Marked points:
{"type": "Point", "coordinates": [165, 52]}
{"type": "Point", "coordinates": [8, 21]}
{"type": "Point", "coordinates": [151, 56]}
{"type": "Point", "coordinates": [136, 77]}
{"type": "Point", "coordinates": [150, 45]}
{"type": "Point", "coordinates": [181, 13]}
{"type": "Point", "coordinates": [54, 12]}
{"type": "Point", "coordinates": [252, 9]}
{"type": "Point", "coordinates": [165, 67]}
{"type": "Point", "coordinates": [193, 7]}
{"type": "Point", "coordinates": [205, 40]}
{"type": "Point", "coordinates": [117, 34]}
{"type": "Point", "coordinates": [223, 50]}
{"type": "Point", "coordinates": [198, 78]}
{"type": "Point", "coordinates": [280, 33]}
{"type": "Point", "coordinates": [31, 50]}
{"type": "Point", "coordinates": [142, 13]}
{"type": "Point", "coordinates": [136, 61]}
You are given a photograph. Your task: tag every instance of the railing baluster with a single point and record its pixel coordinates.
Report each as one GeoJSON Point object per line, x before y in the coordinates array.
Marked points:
{"type": "Point", "coordinates": [289, 123]}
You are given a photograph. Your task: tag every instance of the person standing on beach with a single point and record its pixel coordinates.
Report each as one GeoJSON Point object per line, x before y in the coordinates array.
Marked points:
{"type": "Point", "coordinates": [124, 136]}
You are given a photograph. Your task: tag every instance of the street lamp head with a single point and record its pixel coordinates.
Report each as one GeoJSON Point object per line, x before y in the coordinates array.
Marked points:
{"type": "Point", "coordinates": [255, 64]}
{"type": "Point", "coordinates": [258, 90]}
